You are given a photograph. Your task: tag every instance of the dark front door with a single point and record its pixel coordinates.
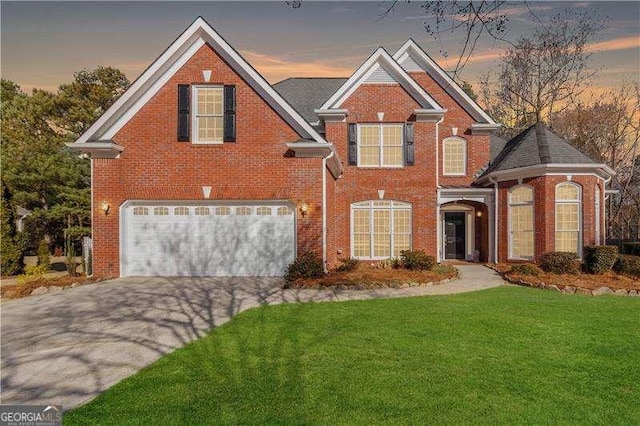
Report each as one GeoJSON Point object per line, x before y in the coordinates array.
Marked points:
{"type": "Point", "coordinates": [454, 235]}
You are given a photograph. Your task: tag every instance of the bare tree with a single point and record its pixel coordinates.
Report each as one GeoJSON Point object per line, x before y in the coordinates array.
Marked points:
{"type": "Point", "coordinates": [543, 74]}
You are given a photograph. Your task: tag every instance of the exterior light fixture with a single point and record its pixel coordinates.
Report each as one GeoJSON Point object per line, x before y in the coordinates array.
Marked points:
{"type": "Point", "coordinates": [479, 213]}
{"type": "Point", "coordinates": [304, 209]}
{"type": "Point", "coordinates": [105, 207]}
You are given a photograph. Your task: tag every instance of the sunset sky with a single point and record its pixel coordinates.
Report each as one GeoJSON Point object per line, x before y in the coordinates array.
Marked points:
{"type": "Point", "coordinates": [44, 43]}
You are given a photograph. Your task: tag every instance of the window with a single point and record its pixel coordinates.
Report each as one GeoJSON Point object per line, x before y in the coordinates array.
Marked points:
{"type": "Point", "coordinates": [140, 211]}
{"type": "Point", "coordinates": [207, 114]}
{"type": "Point", "coordinates": [284, 211]}
{"type": "Point", "coordinates": [181, 211]}
{"type": "Point", "coordinates": [243, 211]}
{"type": "Point", "coordinates": [568, 213]}
{"type": "Point", "coordinates": [223, 211]}
{"type": "Point", "coordinates": [597, 214]}
{"type": "Point", "coordinates": [380, 229]}
{"type": "Point", "coordinates": [203, 211]}
{"type": "Point", "coordinates": [264, 211]}
{"type": "Point", "coordinates": [161, 211]}
{"type": "Point", "coordinates": [380, 145]}
{"type": "Point", "coordinates": [521, 241]}
{"type": "Point", "coordinates": [454, 156]}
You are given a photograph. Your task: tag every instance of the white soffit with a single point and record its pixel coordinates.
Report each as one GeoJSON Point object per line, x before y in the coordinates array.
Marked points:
{"type": "Point", "coordinates": [171, 60]}
{"type": "Point", "coordinates": [380, 59]}
{"type": "Point", "coordinates": [411, 55]}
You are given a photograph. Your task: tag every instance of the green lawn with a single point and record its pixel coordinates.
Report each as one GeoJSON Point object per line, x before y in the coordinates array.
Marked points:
{"type": "Point", "coordinates": [506, 355]}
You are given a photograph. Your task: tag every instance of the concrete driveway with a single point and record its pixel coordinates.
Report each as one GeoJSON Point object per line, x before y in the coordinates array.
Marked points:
{"type": "Point", "coordinates": [68, 347]}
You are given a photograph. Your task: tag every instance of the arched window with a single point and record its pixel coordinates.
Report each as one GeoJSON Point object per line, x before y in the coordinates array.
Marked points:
{"type": "Point", "coordinates": [380, 229]}
{"type": "Point", "coordinates": [521, 220]}
{"type": "Point", "coordinates": [568, 214]}
{"type": "Point", "coordinates": [454, 153]}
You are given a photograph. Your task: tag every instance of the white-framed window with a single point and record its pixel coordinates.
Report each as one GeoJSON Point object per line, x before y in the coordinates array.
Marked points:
{"type": "Point", "coordinates": [161, 211]}
{"type": "Point", "coordinates": [181, 211]}
{"type": "Point", "coordinates": [202, 211]}
{"type": "Point", "coordinates": [454, 153]}
{"type": "Point", "coordinates": [284, 211]}
{"type": "Point", "coordinates": [243, 211]}
{"type": "Point", "coordinates": [380, 145]}
{"type": "Point", "coordinates": [597, 213]}
{"type": "Point", "coordinates": [263, 211]}
{"type": "Point", "coordinates": [223, 211]}
{"type": "Point", "coordinates": [208, 114]}
{"type": "Point", "coordinates": [380, 229]}
{"type": "Point", "coordinates": [568, 218]}
{"type": "Point", "coordinates": [140, 211]}
{"type": "Point", "coordinates": [521, 223]}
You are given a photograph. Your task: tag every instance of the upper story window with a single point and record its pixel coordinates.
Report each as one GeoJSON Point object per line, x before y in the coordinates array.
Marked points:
{"type": "Point", "coordinates": [454, 152]}
{"type": "Point", "coordinates": [208, 114]}
{"type": "Point", "coordinates": [568, 214]}
{"type": "Point", "coordinates": [521, 222]}
{"type": "Point", "coordinates": [380, 145]}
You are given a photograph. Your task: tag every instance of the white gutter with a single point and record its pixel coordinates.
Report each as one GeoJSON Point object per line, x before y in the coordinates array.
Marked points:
{"type": "Point", "coordinates": [439, 229]}
{"type": "Point", "coordinates": [495, 220]}
{"type": "Point", "coordinates": [324, 209]}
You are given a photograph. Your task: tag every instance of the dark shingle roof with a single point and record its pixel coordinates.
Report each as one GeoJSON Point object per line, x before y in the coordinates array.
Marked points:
{"type": "Point", "coordinates": [307, 94]}
{"type": "Point", "coordinates": [497, 144]}
{"type": "Point", "coordinates": [537, 145]}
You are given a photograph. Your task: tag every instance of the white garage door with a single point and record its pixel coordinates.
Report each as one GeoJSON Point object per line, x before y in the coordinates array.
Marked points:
{"type": "Point", "coordinates": [207, 239]}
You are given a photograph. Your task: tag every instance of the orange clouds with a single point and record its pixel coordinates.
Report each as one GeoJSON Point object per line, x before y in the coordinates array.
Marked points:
{"type": "Point", "coordinates": [275, 69]}
{"type": "Point", "coordinates": [622, 43]}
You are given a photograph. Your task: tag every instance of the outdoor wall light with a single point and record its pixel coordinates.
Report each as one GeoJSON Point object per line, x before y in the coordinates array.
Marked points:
{"type": "Point", "coordinates": [105, 207]}
{"type": "Point", "coordinates": [304, 209]}
{"type": "Point", "coordinates": [479, 213]}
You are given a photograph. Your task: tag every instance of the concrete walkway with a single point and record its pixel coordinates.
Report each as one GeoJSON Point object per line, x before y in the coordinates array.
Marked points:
{"type": "Point", "coordinates": [68, 347]}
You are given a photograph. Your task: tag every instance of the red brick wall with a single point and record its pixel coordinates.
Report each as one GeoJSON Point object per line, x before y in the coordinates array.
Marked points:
{"type": "Point", "coordinates": [154, 165]}
{"type": "Point", "coordinates": [412, 184]}
{"type": "Point", "coordinates": [478, 149]}
{"type": "Point", "coordinates": [544, 210]}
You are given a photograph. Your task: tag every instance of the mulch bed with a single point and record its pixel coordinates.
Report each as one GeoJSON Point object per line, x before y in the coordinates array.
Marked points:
{"type": "Point", "coordinates": [370, 277]}
{"type": "Point", "coordinates": [16, 291]}
{"type": "Point", "coordinates": [588, 281]}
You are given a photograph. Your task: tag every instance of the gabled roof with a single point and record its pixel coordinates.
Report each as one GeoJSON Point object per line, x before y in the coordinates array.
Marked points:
{"type": "Point", "coordinates": [382, 63]}
{"type": "Point", "coordinates": [171, 60]}
{"type": "Point", "coordinates": [496, 145]}
{"type": "Point", "coordinates": [410, 56]}
{"type": "Point", "coordinates": [307, 94]}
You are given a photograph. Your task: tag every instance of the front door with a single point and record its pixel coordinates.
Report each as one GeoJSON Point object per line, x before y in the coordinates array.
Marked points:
{"type": "Point", "coordinates": [454, 235]}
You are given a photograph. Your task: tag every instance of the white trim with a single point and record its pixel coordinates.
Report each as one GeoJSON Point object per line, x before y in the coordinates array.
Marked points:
{"type": "Point", "coordinates": [580, 203]}
{"type": "Point", "coordinates": [381, 146]}
{"type": "Point", "coordinates": [598, 211]}
{"type": "Point", "coordinates": [600, 170]}
{"type": "Point", "coordinates": [420, 57]}
{"type": "Point", "coordinates": [324, 209]}
{"type": "Point", "coordinates": [194, 114]}
{"type": "Point", "coordinates": [380, 58]}
{"type": "Point", "coordinates": [444, 155]}
{"type": "Point", "coordinates": [315, 150]}
{"type": "Point", "coordinates": [98, 149]}
{"type": "Point", "coordinates": [509, 217]}
{"type": "Point", "coordinates": [469, 228]}
{"type": "Point", "coordinates": [393, 205]}
{"type": "Point", "coordinates": [484, 128]}
{"type": "Point", "coordinates": [163, 68]}
{"type": "Point", "coordinates": [429, 115]}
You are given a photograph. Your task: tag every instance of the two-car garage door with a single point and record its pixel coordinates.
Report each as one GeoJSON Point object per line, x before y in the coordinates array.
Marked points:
{"type": "Point", "coordinates": [213, 239]}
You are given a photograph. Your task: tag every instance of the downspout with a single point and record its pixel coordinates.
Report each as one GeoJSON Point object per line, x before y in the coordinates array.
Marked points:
{"type": "Point", "coordinates": [495, 220]}
{"type": "Point", "coordinates": [91, 214]}
{"type": "Point", "coordinates": [438, 227]}
{"type": "Point", "coordinates": [604, 207]}
{"type": "Point", "coordinates": [324, 209]}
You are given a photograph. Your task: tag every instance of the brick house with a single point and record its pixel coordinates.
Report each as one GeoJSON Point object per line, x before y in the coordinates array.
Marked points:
{"type": "Point", "coordinates": [203, 168]}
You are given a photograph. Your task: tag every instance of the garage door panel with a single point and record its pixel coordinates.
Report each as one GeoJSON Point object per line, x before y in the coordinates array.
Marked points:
{"type": "Point", "coordinates": [208, 240]}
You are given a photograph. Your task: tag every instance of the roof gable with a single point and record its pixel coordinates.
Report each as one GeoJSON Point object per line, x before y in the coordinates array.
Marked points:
{"type": "Point", "coordinates": [380, 67]}
{"type": "Point", "coordinates": [169, 62]}
{"type": "Point", "coordinates": [307, 94]}
{"type": "Point", "coordinates": [412, 58]}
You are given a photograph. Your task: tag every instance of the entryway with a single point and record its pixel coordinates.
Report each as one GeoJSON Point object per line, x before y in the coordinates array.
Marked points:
{"type": "Point", "coordinates": [454, 235]}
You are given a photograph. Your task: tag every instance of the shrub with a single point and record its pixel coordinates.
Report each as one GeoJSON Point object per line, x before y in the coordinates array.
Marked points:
{"type": "Point", "coordinates": [417, 260]}
{"type": "Point", "coordinates": [348, 265]}
{"type": "Point", "coordinates": [525, 269]}
{"type": "Point", "coordinates": [627, 264]}
{"type": "Point", "coordinates": [32, 272]}
{"type": "Point", "coordinates": [599, 259]}
{"type": "Point", "coordinates": [44, 258]}
{"type": "Point", "coordinates": [307, 265]}
{"type": "Point", "coordinates": [390, 263]}
{"type": "Point", "coordinates": [12, 245]}
{"type": "Point", "coordinates": [631, 248]}
{"type": "Point", "coordinates": [559, 262]}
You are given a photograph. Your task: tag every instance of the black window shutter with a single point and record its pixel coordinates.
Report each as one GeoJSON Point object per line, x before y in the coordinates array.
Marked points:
{"type": "Point", "coordinates": [184, 103]}
{"type": "Point", "coordinates": [408, 144]}
{"type": "Point", "coordinates": [230, 113]}
{"type": "Point", "coordinates": [353, 144]}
